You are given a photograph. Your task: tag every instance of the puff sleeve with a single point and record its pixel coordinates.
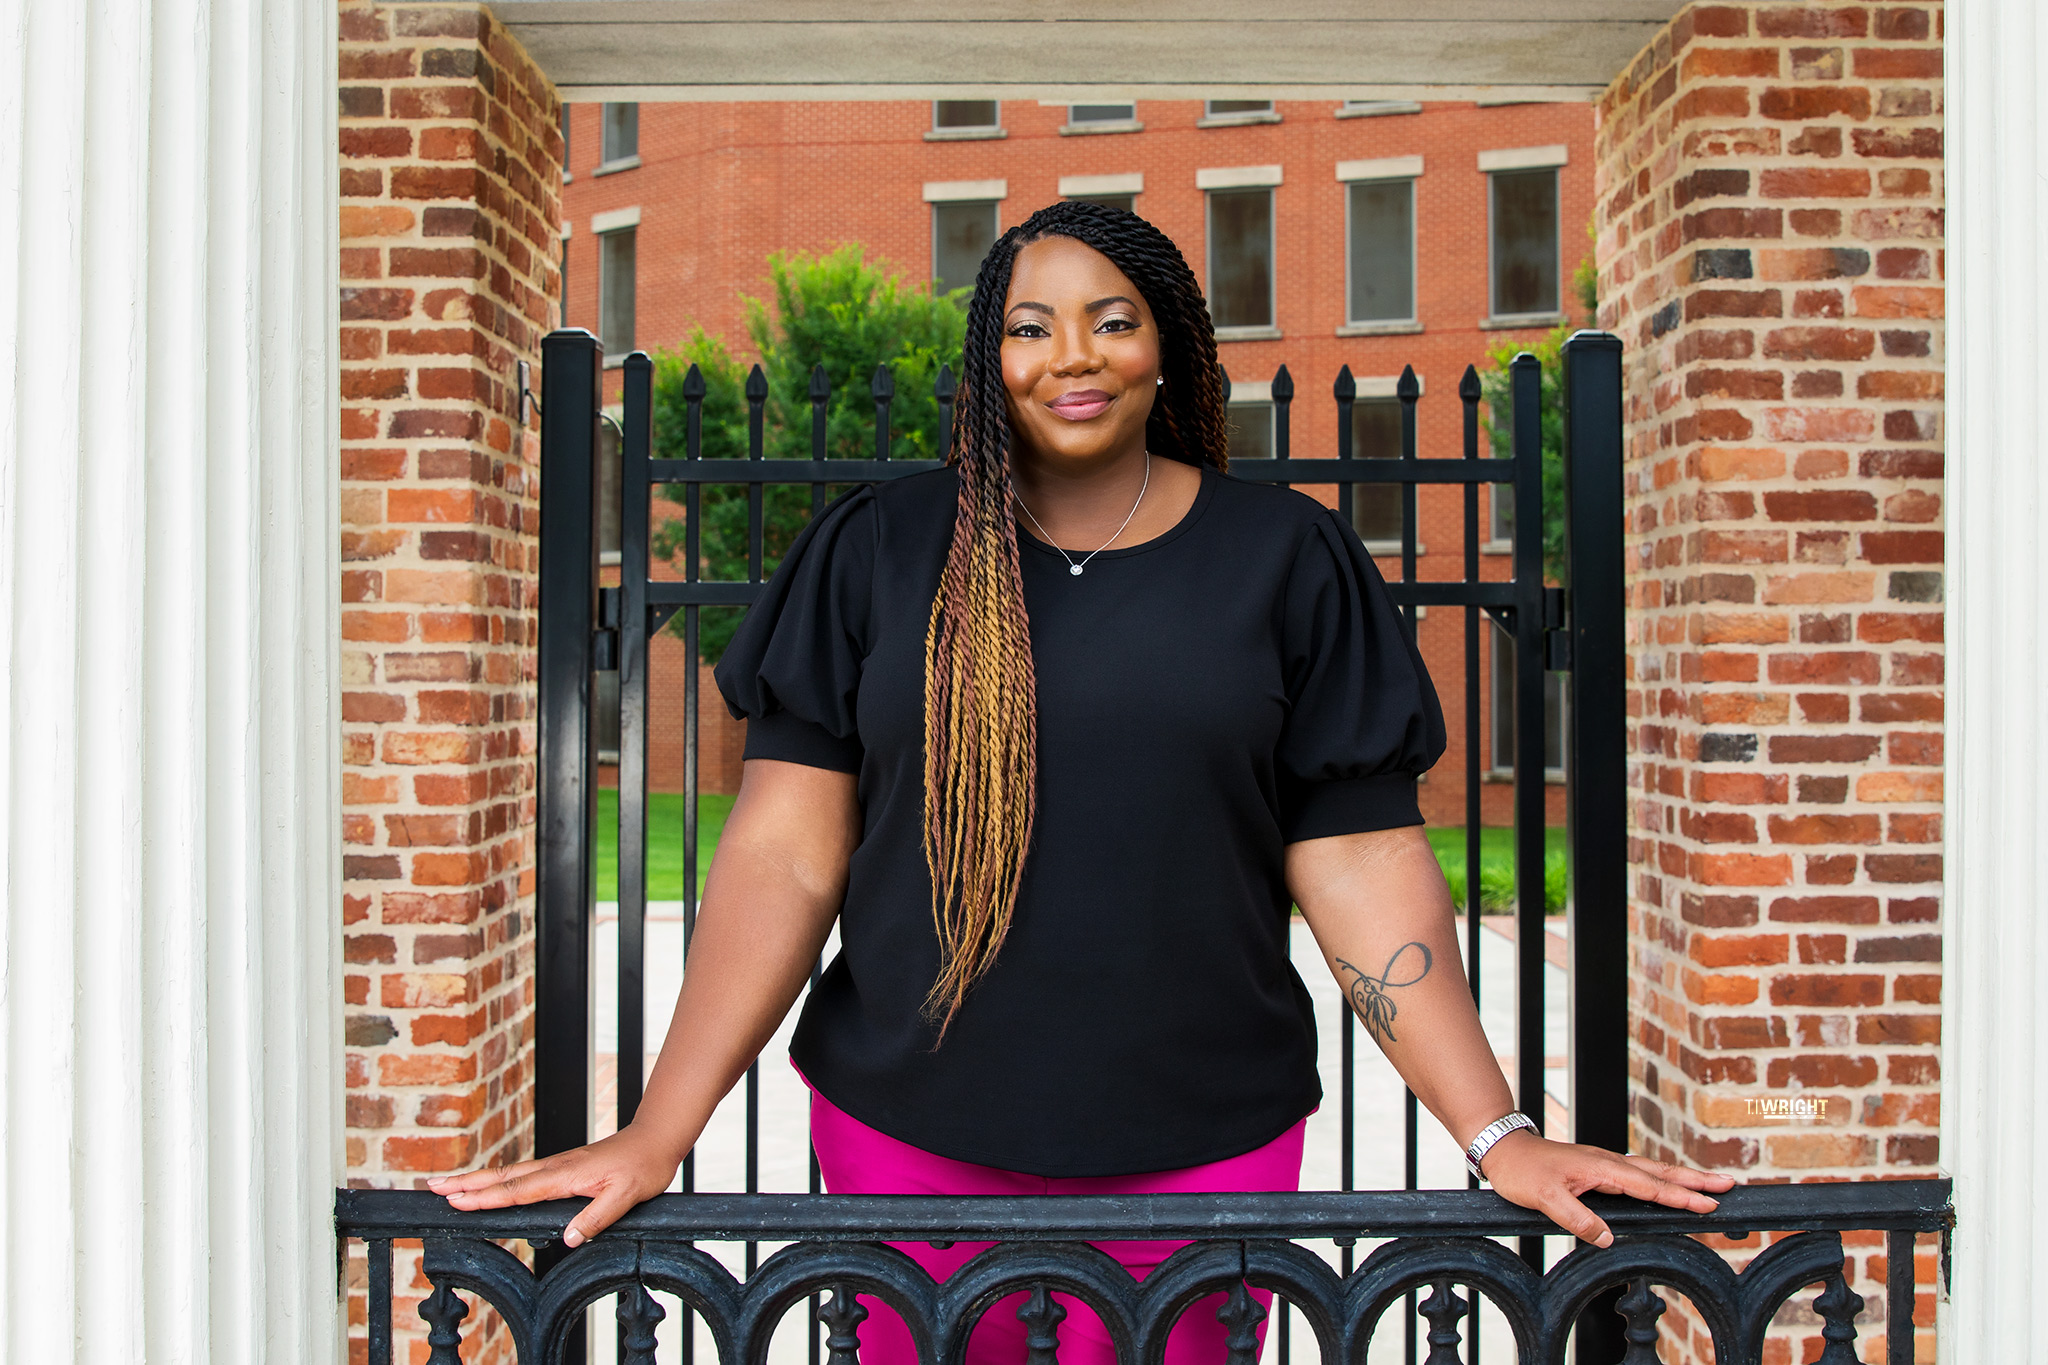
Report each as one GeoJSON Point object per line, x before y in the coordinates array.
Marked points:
{"type": "Point", "coordinates": [793, 669]}
{"type": "Point", "coordinates": [1363, 719]}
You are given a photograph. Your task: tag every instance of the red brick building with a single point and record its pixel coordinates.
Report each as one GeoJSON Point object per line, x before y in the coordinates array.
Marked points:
{"type": "Point", "coordinates": [1373, 235]}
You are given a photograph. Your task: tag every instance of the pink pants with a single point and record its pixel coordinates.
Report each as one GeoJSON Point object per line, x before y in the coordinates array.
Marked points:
{"type": "Point", "coordinates": [855, 1159]}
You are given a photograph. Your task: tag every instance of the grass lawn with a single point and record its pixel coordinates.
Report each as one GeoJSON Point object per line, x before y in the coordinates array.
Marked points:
{"type": "Point", "coordinates": [665, 852]}
{"type": "Point", "coordinates": [1497, 866]}
{"type": "Point", "coordinates": [664, 842]}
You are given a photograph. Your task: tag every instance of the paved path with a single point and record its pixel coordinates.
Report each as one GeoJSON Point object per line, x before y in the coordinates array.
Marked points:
{"type": "Point", "coordinates": [785, 1149]}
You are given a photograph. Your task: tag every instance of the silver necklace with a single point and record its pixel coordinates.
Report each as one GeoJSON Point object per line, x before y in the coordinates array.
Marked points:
{"type": "Point", "coordinates": [1073, 567]}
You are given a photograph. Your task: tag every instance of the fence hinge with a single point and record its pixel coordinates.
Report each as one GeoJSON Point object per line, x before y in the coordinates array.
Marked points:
{"type": "Point", "coordinates": [1557, 639]}
{"type": "Point", "coordinates": [604, 641]}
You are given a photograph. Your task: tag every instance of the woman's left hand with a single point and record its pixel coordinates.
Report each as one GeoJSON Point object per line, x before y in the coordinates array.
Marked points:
{"type": "Point", "coordinates": [1550, 1176]}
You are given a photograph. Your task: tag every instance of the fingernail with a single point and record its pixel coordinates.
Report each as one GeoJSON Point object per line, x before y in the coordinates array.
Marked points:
{"type": "Point", "coordinates": [572, 1238]}
{"type": "Point", "coordinates": [1606, 1240]}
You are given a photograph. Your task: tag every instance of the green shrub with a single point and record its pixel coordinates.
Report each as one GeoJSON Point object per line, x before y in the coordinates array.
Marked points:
{"type": "Point", "coordinates": [834, 310]}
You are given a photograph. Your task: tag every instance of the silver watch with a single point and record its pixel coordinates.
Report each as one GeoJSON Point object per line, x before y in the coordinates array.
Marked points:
{"type": "Point", "coordinates": [1492, 1133]}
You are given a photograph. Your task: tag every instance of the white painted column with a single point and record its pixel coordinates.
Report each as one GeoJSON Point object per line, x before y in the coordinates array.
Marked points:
{"type": "Point", "coordinates": [1994, 1137]}
{"type": "Point", "coordinates": [169, 858]}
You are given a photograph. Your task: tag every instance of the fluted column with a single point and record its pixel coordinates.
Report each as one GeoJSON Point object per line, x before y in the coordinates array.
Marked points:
{"type": "Point", "coordinates": [169, 1023]}
{"type": "Point", "coordinates": [1995, 1056]}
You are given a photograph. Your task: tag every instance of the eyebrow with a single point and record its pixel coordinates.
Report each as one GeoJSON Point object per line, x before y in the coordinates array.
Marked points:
{"type": "Point", "coordinates": [1095, 307]}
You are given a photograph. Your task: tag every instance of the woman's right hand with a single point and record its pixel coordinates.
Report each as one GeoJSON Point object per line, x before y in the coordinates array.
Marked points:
{"type": "Point", "coordinates": [614, 1173]}
{"type": "Point", "coordinates": [772, 893]}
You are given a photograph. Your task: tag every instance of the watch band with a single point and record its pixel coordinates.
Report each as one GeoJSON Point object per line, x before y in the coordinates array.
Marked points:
{"type": "Point", "coordinates": [1492, 1133]}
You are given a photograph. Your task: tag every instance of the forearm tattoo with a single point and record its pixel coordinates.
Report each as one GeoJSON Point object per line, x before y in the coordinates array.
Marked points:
{"type": "Point", "coordinates": [1368, 994]}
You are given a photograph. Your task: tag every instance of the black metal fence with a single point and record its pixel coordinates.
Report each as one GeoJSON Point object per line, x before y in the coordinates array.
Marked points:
{"type": "Point", "coordinates": [1576, 629]}
{"type": "Point", "coordinates": [1440, 1246]}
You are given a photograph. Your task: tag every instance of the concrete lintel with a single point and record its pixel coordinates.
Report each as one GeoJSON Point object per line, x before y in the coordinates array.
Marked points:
{"type": "Point", "coordinates": [1525, 158]}
{"type": "Point", "coordinates": [900, 49]}
{"type": "Point", "coordinates": [1381, 168]}
{"type": "Point", "coordinates": [956, 191]}
{"type": "Point", "coordinates": [1071, 185]}
{"type": "Point", "coordinates": [1237, 177]}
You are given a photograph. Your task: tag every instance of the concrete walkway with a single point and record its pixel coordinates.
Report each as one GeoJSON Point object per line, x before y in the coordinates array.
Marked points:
{"type": "Point", "coordinates": [785, 1148]}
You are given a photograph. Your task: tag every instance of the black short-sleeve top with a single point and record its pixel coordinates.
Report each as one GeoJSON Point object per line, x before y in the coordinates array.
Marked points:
{"type": "Point", "coordinates": [1204, 698]}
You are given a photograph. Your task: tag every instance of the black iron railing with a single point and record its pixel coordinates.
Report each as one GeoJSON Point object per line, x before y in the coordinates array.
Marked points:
{"type": "Point", "coordinates": [1440, 1246]}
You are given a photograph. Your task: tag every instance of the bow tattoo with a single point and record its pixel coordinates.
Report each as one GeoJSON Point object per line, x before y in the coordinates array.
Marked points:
{"type": "Point", "coordinates": [1368, 993]}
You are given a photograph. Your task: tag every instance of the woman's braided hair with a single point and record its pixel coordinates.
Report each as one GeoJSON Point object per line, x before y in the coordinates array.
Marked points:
{"type": "Point", "coordinates": [980, 708]}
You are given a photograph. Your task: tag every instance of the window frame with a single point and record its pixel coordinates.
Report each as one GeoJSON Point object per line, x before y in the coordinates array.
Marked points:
{"type": "Point", "coordinates": [563, 280]}
{"type": "Point", "coordinates": [604, 270]}
{"type": "Point", "coordinates": [1500, 523]}
{"type": "Point", "coordinates": [1377, 393]}
{"type": "Point", "coordinates": [1501, 712]}
{"type": "Point", "coordinates": [1243, 331]}
{"type": "Point", "coordinates": [1377, 108]}
{"type": "Point", "coordinates": [1542, 317]}
{"type": "Point", "coordinates": [1127, 124]}
{"type": "Point", "coordinates": [1414, 252]}
{"type": "Point", "coordinates": [607, 161]}
{"type": "Point", "coordinates": [1237, 118]}
{"type": "Point", "coordinates": [1259, 395]}
{"type": "Point", "coordinates": [1131, 105]}
{"type": "Point", "coordinates": [965, 132]}
{"type": "Point", "coordinates": [995, 208]}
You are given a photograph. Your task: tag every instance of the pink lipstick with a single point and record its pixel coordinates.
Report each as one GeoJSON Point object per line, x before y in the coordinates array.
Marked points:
{"type": "Point", "coordinates": [1081, 404]}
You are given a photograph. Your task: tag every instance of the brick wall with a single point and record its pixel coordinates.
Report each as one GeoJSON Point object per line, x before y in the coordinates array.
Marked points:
{"type": "Point", "coordinates": [1770, 242]}
{"type": "Point", "coordinates": [450, 184]}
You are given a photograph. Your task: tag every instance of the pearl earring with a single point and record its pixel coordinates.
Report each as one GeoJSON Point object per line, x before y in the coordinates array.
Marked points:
{"type": "Point", "coordinates": [1160, 380]}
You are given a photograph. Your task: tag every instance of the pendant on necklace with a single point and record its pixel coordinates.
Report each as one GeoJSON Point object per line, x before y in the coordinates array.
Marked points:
{"type": "Point", "coordinates": [1074, 569]}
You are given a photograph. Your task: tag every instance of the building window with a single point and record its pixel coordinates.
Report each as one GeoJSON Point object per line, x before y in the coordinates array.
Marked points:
{"type": "Point", "coordinates": [1500, 497]}
{"type": "Point", "coordinates": [1382, 251]}
{"type": "Point", "coordinates": [616, 286]}
{"type": "Point", "coordinates": [962, 233]}
{"type": "Point", "coordinates": [1225, 113]}
{"type": "Point", "coordinates": [1503, 708]}
{"type": "Point", "coordinates": [1376, 507]}
{"type": "Point", "coordinates": [564, 281]}
{"type": "Point", "coordinates": [965, 115]}
{"type": "Point", "coordinates": [565, 140]}
{"type": "Point", "coordinates": [1377, 108]}
{"type": "Point", "coordinates": [1251, 429]}
{"type": "Point", "coordinates": [1500, 514]}
{"type": "Point", "coordinates": [1241, 257]}
{"type": "Point", "coordinates": [611, 492]}
{"type": "Point", "coordinates": [1525, 251]}
{"type": "Point", "coordinates": [621, 132]}
{"type": "Point", "coordinates": [1101, 118]}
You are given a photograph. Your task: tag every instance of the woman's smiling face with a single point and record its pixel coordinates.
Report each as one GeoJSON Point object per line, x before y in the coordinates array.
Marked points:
{"type": "Point", "coordinates": [1080, 355]}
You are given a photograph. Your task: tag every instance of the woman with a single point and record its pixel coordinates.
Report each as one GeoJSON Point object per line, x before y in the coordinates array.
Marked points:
{"type": "Point", "coordinates": [1058, 734]}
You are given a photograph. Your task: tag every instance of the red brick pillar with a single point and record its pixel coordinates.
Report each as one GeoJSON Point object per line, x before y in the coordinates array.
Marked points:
{"type": "Point", "coordinates": [450, 191]}
{"type": "Point", "coordinates": [1770, 246]}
